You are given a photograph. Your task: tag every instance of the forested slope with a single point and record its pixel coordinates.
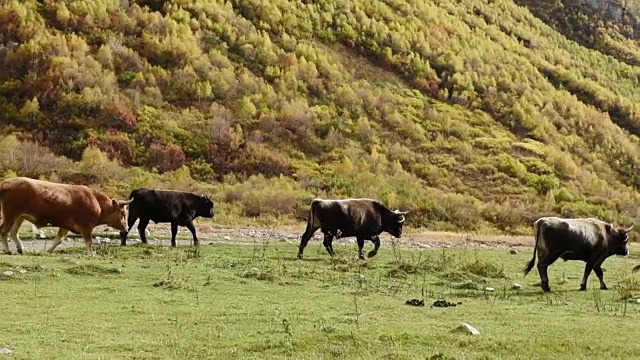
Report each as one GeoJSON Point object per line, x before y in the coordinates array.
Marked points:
{"type": "Point", "coordinates": [475, 115]}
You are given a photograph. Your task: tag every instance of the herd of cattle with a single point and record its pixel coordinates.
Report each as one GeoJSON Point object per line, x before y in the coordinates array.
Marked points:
{"type": "Point", "coordinates": [79, 209]}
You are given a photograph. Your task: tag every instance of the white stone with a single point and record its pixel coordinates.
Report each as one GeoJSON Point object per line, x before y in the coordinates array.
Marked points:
{"type": "Point", "coordinates": [23, 271]}
{"type": "Point", "coordinates": [6, 351]}
{"type": "Point", "coordinates": [42, 236]}
{"type": "Point", "coordinates": [466, 328]}
{"type": "Point", "coordinates": [227, 237]}
{"type": "Point", "coordinates": [8, 273]}
{"type": "Point", "coordinates": [489, 289]}
{"type": "Point", "coordinates": [516, 286]}
{"type": "Point", "coordinates": [513, 252]}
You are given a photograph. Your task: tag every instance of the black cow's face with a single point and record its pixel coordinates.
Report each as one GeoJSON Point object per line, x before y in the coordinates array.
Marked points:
{"type": "Point", "coordinates": [205, 207]}
{"type": "Point", "coordinates": [618, 241]}
{"type": "Point", "coordinates": [395, 225]}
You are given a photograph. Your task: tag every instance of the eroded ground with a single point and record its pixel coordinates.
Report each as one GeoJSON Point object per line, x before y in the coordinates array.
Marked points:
{"type": "Point", "coordinates": [38, 239]}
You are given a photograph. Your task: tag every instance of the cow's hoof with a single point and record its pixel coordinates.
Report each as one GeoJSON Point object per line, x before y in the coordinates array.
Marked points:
{"type": "Point", "coordinates": [7, 252]}
{"type": "Point", "coordinates": [361, 257]}
{"type": "Point", "coordinates": [20, 251]}
{"type": "Point", "coordinates": [299, 256]}
{"type": "Point", "coordinates": [583, 287]}
{"type": "Point", "coordinates": [372, 253]}
{"type": "Point", "coordinates": [603, 287]}
{"type": "Point", "coordinates": [546, 288]}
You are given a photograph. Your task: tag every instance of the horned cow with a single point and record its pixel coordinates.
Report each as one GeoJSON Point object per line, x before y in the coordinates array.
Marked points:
{"type": "Point", "coordinates": [163, 206]}
{"type": "Point", "coordinates": [363, 218]}
{"type": "Point", "coordinates": [71, 208]}
{"type": "Point", "coordinates": [590, 240]}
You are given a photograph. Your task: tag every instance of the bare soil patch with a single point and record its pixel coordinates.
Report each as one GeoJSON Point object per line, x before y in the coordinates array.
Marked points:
{"type": "Point", "coordinates": [159, 234]}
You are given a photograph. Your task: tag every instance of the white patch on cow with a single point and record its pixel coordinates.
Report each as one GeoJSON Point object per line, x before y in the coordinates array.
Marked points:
{"type": "Point", "coordinates": [585, 228]}
{"type": "Point", "coordinates": [581, 229]}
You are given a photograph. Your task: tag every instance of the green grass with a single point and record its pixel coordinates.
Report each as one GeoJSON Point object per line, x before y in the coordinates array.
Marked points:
{"type": "Point", "coordinates": [233, 301]}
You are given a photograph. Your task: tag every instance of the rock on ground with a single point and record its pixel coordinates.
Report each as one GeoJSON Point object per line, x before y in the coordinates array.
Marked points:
{"type": "Point", "coordinates": [466, 329]}
{"type": "Point", "coordinates": [517, 286]}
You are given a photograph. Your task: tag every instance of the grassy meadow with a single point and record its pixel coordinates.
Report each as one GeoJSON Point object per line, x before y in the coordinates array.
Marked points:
{"type": "Point", "coordinates": [253, 299]}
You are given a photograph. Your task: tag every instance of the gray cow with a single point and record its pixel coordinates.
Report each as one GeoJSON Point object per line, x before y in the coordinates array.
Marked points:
{"type": "Point", "coordinates": [363, 218]}
{"type": "Point", "coordinates": [589, 240]}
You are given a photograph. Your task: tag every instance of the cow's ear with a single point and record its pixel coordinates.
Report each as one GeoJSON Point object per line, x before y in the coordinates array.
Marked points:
{"type": "Point", "coordinates": [608, 228]}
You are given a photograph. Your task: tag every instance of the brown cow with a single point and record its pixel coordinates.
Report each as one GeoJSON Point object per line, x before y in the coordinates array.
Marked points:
{"type": "Point", "coordinates": [71, 208]}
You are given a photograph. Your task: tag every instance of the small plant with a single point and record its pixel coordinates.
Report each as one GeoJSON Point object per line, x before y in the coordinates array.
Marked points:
{"type": "Point", "coordinates": [173, 282]}
{"type": "Point", "coordinates": [258, 274]}
{"type": "Point", "coordinates": [625, 290]}
{"type": "Point", "coordinates": [597, 301]}
{"type": "Point", "coordinates": [93, 270]}
{"type": "Point", "coordinates": [484, 267]}
{"type": "Point", "coordinates": [288, 335]}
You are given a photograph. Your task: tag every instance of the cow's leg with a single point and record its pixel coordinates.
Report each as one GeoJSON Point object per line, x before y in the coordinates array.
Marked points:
{"type": "Point", "coordinates": [544, 261]}
{"type": "Point", "coordinates": [598, 270]}
{"type": "Point", "coordinates": [59, 236]}
{"type": "Point", "coordinates": [14, 234]}
{"type": "Point", "coordinates": [142, 226]}
{"type": "Point", "coordinates": [360, 241]}
{"type": "Point", "coordinates": [376, 245]}
{"type": "Point", "coordinates": [587, 271]}
{"type": "Point", "coordinates": [192, 228]}
{"type": "Point", "coordinates": [308, 233]}
{"type": "Point", "coordinates": [174, 232]}
{"type": "Point", "coordinates": [86, 236]}
{"type": "Point", "coordinates": [131, 219]}
{"type": "Point", "coordinates": [5, 228]}
{"type": "Point", "coordinates": [328, 239]}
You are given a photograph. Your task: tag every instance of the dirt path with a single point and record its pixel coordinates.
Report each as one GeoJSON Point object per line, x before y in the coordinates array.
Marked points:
{"type": "Point", "coordinates": [159, 234]}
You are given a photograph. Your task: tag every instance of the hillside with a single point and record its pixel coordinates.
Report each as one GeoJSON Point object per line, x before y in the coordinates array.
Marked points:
{"type": "Point", "coordinates": [475, 115]}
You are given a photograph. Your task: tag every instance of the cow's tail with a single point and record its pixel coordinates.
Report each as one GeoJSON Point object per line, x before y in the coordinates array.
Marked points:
{"type": "Point", "coordinates": [311, 222]}
{"type": "Point", "coordinates": [3, 188]}
{"type": "Point", "coordinates": [536, 230]}
{"type": "Point", "coordinates": [637, 268]}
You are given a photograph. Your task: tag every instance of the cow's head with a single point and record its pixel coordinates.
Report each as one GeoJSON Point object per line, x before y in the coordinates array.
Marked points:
{"type": "Point", "coordinates": [394, 223]}
{"type": "Point", "coordinates": [618, 240]}
{"type": "Point", "coordinates": [204, 206]}
{"type": "Point", "coordinates": [116, 214]}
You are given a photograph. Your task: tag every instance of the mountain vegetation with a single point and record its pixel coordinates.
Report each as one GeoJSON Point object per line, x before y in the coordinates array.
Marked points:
{"type": "Point", "coordinates": [475, 115]}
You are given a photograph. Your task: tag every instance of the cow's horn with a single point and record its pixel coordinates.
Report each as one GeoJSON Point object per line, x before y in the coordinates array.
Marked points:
{"type": "Point", "coordinates": [125, 202]}
{"type": "Point", "coordinates": [401, 212]}
{"type": "Point", "coordinates": [631, 227]}
{"type": "Point", "coordinates": [401, 219]}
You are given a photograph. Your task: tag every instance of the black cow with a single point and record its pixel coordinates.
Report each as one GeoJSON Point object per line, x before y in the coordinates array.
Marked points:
{"type": "Point", "coordinates": [589, 240]}
{"type": "Point", "coordinates": [175, 207]}
{"type": "Point", "coordinates": [363, 218]}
